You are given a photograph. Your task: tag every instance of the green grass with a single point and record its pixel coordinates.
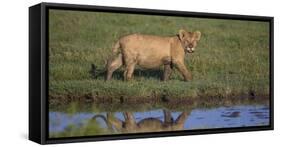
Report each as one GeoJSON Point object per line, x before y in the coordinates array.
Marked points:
{"type": "Point", "coordinates": [232, 57]}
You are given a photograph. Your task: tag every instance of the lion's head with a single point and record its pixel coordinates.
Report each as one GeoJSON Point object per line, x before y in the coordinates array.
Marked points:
{"type": "Point", "coordinates": [189, 40]}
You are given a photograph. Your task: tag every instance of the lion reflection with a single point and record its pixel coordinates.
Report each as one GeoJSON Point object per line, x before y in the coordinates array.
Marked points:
{"type": "Point", "coordinates": [129, 125]}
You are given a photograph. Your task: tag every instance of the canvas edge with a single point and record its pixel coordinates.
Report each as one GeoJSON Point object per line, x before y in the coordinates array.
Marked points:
{"type": "Point", "coordinates": [44, 83]}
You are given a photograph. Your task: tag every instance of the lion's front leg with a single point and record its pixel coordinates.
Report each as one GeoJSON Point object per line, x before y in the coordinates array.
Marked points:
{"type": "Point", "coordinates": [183, 70]}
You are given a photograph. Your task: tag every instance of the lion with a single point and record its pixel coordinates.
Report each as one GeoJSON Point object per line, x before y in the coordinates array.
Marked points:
{"type": "Point", "coordinates": [149, 52]}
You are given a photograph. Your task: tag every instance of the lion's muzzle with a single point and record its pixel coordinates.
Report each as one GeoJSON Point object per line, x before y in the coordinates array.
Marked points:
{"type": "Point", "coordinates": [189, 50]}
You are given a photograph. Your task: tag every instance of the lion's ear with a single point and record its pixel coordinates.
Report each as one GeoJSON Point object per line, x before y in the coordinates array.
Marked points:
{"type": "Point", "coordinates": [197, 35]}
{"type": "Point", "coordinates": [181, 34]}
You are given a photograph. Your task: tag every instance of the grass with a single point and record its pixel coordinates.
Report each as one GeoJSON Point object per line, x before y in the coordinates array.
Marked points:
{"type": "Point", "coordinates": [232, 57]}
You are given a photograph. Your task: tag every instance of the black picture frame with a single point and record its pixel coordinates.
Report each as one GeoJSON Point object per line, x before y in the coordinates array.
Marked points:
{"type": "Point", "coordinates": [38, 71]}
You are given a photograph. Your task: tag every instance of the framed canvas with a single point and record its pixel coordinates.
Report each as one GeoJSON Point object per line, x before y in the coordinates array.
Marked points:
{"type": "Point", "coordinates": [100, 73]}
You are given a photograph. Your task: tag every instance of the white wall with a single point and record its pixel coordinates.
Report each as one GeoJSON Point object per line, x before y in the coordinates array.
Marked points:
{"type": "Point", "coordinates": [14, 70]}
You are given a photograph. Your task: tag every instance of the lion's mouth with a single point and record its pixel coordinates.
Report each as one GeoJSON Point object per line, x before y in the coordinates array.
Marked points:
{"type": "Point", "coordinates": [189, 50]}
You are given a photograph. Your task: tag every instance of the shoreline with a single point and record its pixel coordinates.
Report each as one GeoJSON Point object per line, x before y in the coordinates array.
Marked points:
{"type": "Point", "coordinates": [165, 99]}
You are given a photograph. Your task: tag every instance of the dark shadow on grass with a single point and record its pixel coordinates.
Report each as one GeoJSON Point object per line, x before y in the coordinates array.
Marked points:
{"type": "Point", "coordinates": [140, 73]}
{"type": "Point", "coordinates": [118, 74]}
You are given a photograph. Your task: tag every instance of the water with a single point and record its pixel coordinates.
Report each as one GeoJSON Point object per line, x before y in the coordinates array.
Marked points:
{"type": "Point", "coordinates": [158, 120]}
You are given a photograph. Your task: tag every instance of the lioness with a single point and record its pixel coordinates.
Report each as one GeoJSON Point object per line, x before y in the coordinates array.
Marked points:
{"type": "Point", "coordinates": [150, 51]}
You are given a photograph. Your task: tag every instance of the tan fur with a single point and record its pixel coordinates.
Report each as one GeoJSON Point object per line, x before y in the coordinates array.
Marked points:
{"type": "Point", "coordinates": [150, 51]}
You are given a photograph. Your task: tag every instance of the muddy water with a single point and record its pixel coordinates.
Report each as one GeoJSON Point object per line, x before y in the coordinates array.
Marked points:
{"type": "Point", "coordinates": [159, 120]}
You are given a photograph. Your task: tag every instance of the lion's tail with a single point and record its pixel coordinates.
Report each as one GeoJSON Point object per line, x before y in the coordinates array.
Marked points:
{"type": "Point", "coordinates": [116, 47]}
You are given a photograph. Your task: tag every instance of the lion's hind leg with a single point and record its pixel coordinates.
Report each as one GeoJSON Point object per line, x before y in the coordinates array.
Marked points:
{"type": "Point", "coordinates": [113, 65]}
{"type": "Point", "coordinates": [129, 67]}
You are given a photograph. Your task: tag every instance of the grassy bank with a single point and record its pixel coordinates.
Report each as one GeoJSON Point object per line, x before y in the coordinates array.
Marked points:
{"type": "Point", "coordinates": [232, 57]}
